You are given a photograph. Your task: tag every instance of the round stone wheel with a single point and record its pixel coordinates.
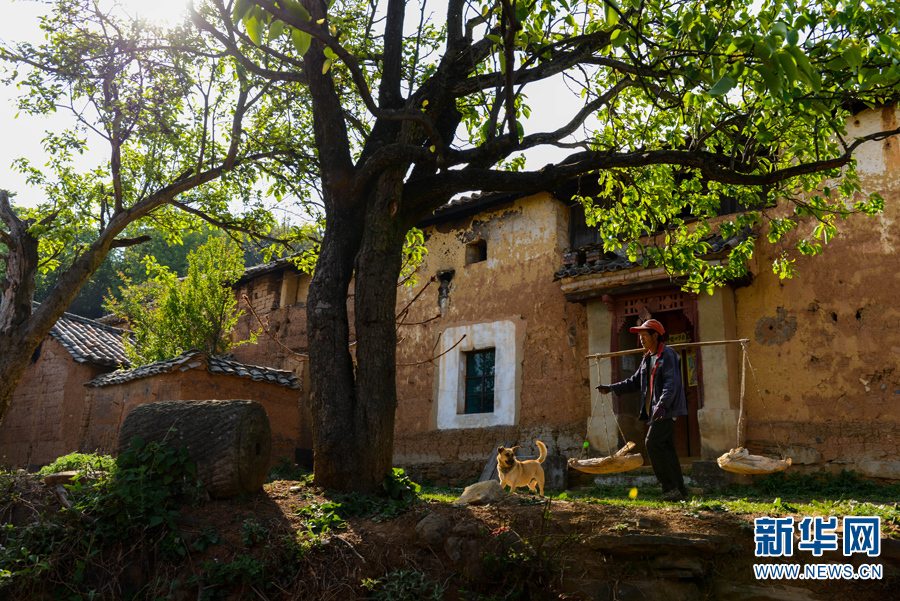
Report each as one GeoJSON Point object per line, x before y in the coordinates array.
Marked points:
{"type": "Point", "coordinates": [229, 440]}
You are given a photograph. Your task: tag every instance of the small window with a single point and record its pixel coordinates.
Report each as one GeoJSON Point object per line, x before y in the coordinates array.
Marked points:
{"type": "Point", "coordinates": [476, 252]}
{"type": "Point", "coordinates": [480, 381]}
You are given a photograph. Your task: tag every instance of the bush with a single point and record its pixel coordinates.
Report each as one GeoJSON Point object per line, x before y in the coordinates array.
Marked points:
{"type": "Point", "coordinates": [79, 462]}
{"type": "Point", "coordinates": [132, 506]}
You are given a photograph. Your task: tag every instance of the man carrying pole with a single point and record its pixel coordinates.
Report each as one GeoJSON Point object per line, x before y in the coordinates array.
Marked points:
{"type": "Point", "coordinates": [663, 401]}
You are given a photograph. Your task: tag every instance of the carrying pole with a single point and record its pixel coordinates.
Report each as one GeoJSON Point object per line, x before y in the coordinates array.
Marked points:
{"type": "Point", "coordinates": [742, 341]}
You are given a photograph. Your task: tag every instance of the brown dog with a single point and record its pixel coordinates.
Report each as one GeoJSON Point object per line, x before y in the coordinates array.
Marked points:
{"type": "Point", "coordinates": [515, 473]}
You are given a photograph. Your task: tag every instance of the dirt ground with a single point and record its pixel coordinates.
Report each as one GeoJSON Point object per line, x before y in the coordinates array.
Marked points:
{"type": "Point", "coordinates": [596, 551]}
{"type": "Point", "coordinates": [520, 548]}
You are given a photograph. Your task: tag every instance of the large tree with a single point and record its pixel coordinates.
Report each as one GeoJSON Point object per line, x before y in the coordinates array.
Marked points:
{"type": "Point", "coordinates": [180, 123]}
{"type": "Point", "coordinates": [684, 103]}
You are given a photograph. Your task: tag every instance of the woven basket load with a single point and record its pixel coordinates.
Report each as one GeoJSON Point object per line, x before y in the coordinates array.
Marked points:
{"type": "Point", "coordinates": [620, 462]}
{"type": "Point", "coordinates": [740, 461]}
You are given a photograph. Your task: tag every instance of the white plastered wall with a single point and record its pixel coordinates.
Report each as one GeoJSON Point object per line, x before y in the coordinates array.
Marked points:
{"type": "Point", "coordinates": [507, 337]}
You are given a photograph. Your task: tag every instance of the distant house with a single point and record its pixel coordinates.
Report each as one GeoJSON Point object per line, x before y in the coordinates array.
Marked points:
{"type": "Point", "coordinates": [195, 376]}
{"type": "Point", "coordinates": [72, 397]}
{"type": "Point", "coordinates": [46, 414]}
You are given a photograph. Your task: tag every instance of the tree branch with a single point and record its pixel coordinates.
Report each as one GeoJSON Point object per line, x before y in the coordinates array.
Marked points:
{"type": "Point", "coordinates": [228, 225]}
{"type": "Point", "coordinates": [126, 242]}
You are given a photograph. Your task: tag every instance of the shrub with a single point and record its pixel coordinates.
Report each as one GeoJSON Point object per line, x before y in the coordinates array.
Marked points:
{"type": "Point", "coordinates": [79, 462]}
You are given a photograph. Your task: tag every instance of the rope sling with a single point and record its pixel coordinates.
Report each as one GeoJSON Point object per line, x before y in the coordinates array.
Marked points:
{"type": "Point", "coordinates": [613, 463]}
{"type": "Point", "coordinates": [737, 460]}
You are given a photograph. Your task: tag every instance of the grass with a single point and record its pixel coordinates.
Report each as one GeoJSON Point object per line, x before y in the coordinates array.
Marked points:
{"type": "Point", "coordinates": [779, 494]}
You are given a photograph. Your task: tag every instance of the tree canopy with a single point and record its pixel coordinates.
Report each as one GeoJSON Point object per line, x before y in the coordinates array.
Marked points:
{"type": "Point", "coordinates": [180, 123]}
{"type": "Point", "coordinates": [168, 315]}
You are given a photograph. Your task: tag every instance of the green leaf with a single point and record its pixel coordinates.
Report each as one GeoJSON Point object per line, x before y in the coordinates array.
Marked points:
{"type": "Point", "coordinates": [723, 86]}
{"type": "Point", "coordinates": [327, 66]}
{"type": "Point", "coordinates": [793, 37]}
{"type": "Point", "coordinates": [156, 520]}
{"type": "Point", "coordinates": [837, 64]}
{"type": "Point", "coordinates": [610, 15]}
{"type": "Point", "coordinates": [301, 41]}
{"type": "Point", "coordinates": [296, 9]}
{"type": "Point", "coordinates": [787, 64]}
{"type": "Point", "coordinates": [853, 56]}
{"type": "Point", "coordinates": [801, 60]}
{"type": "Point", "coordinates": [276, 29]}
{"type": "Point", "coordinates": [770, 76]}
{"type": "Point", "coordinates": [241, 8]}
{"type": "Point", "coordinates": [254, 30]}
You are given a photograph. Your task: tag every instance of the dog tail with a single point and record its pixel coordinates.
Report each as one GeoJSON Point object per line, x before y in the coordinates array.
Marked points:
{"type": "Point", "coordinates": [543, 451]}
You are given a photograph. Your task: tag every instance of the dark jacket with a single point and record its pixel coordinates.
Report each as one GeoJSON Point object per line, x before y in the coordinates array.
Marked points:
{"type": "Point", "coordinates": [668, 390]}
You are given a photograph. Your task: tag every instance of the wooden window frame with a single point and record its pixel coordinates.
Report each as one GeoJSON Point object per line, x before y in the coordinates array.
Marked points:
{"type": "Point", "coordinates": [483, 402]}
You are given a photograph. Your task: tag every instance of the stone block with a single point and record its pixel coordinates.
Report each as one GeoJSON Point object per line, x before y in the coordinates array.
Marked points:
{"type": "Point", "coordinates": [799, 454]}
{"type": "Point", "coordinates": [717, 429]}
{"type": "Point", "coordinates": [889, 470]}
{"type": "Point", "coordinates": [556, 473]}
{"type": "Point", "coordinates": [482, 493]}
{"type": "Point", "coordinates": [685, 544]}
{"type": "Point", "coordinates": [432, 530]}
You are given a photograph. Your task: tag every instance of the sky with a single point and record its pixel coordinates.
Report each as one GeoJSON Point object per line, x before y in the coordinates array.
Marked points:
{"type": "Point", "coordinates": [22, 134]}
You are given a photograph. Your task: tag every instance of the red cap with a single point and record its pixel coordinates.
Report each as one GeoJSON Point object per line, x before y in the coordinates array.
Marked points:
{"type": "Point", "coordinates": [650, 324]}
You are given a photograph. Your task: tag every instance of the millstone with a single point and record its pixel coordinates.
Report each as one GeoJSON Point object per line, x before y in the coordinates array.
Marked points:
{"type": "Point", "coordinates": [229, 440]}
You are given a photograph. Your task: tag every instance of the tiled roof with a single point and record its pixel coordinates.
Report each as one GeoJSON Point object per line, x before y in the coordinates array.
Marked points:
{"type": "Point", "coordinates": [593, 260]}
{"type": "Point", "coordinates": [199, 359]}
{"type": "Point", "coordinates": [263, 268]}
{"type": "Point", "coordinates": [89, 341]}
{"type": "Point", "coordinates": [466, 206]}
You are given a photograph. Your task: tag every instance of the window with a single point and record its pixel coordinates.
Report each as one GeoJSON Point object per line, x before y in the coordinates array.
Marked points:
{"type": "Point", "coordinates": [476, 252]}
{"type": "Point", "coordinates": [480, 381]}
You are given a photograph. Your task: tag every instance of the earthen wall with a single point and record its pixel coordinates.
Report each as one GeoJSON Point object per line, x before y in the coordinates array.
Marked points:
{"type": "Point", "coordinates": [524, 242]}
{"type": "Point", "coordinates": [825, 345]}
{"type": "Point", "coordinates": [45, 414]}
{"type": "Point", "coordinates": [108, 406]}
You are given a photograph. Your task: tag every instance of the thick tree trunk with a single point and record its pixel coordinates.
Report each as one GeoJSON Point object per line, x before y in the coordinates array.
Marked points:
{"type": "Point", "coordinates": [330, 364]}
{"type": "Point", "coordinates": [21, 331]}
{"type": "Point", "coordinates": [17, 288]}
{"type": "Point", "coordinates": [377, 270]}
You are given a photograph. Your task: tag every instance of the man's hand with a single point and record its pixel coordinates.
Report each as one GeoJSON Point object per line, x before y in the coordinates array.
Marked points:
{"type": "Point", "coordinates": [658, 413]}
{"type": "Point", "coordinates": [603, 389]}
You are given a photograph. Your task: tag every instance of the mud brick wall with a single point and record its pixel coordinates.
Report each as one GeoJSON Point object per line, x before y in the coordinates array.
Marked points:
{"type": "Point", "coordinates": [524, 240]}
{"type": "Point", "coordinates": [287, 324]}
{"type": "Point", "coordinates": [108, 406]}
{"type": "Point", "coordinates": [264, 293]}
{"type": "Point", "coordinates": [45, 415]}
{"type": "Point", "coordinates": [451, 457]}
{"type": "Point", "coordinates": [825, 344]}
